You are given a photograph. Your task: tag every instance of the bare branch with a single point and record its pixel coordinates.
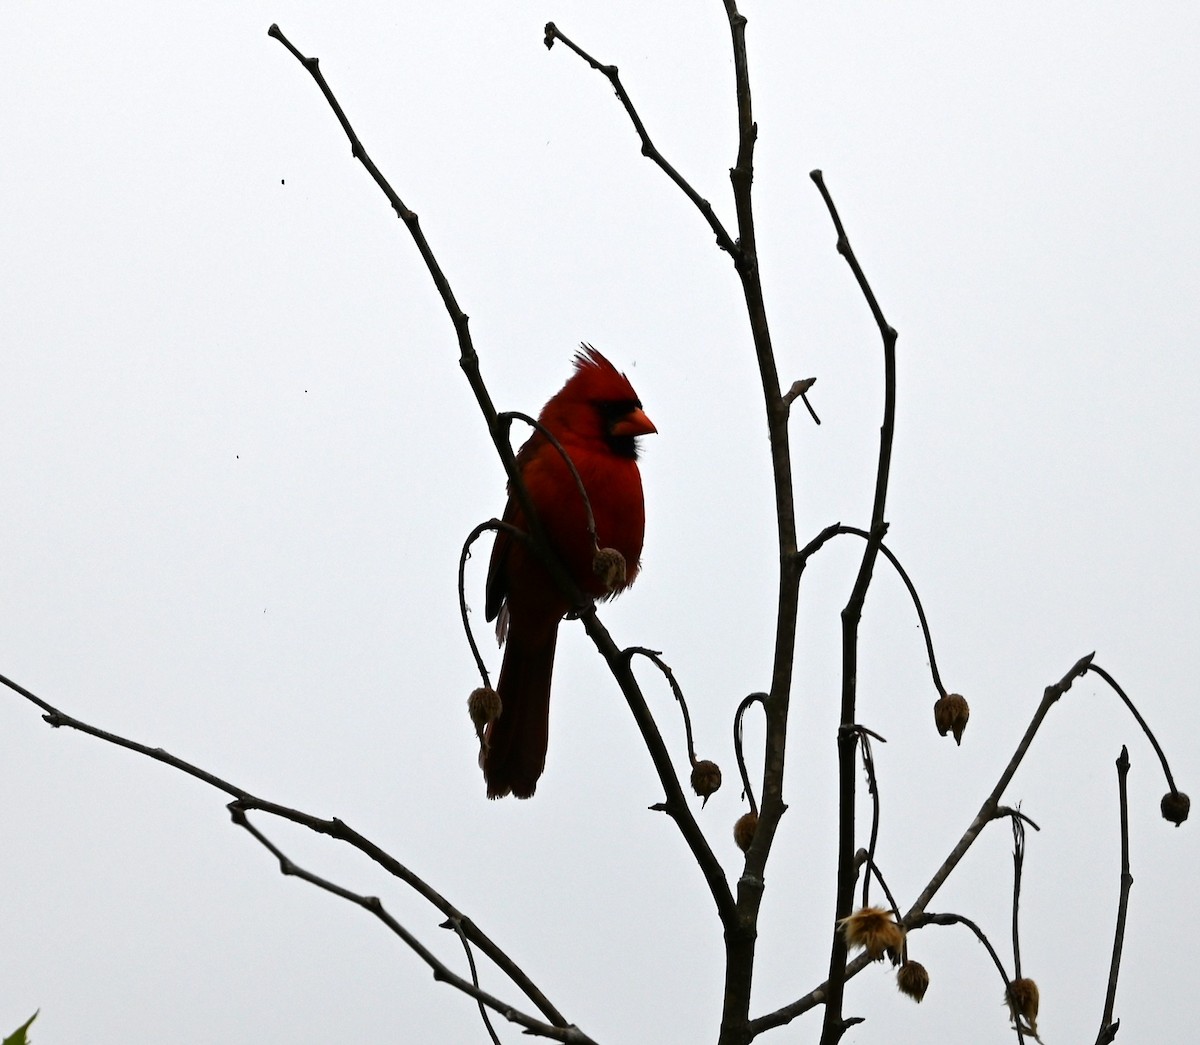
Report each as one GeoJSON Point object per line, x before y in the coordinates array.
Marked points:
{"type": "Point", "coordinates": [648, 148]}
{"type": "Point", "coordinates": [333, 828]}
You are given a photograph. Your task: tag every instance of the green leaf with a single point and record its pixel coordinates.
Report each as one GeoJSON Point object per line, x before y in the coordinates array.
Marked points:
{"type": "Point", "coordinates": [17, 1037]}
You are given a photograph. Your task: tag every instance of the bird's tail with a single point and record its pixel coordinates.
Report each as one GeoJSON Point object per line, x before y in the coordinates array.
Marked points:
{"type": "Point", "coordinates": [514, 745]}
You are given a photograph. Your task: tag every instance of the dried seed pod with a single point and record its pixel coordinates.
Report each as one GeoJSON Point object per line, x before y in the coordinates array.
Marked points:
{"type": "Point", "coordinates": [743, 830]}
{"type": "Point", "coordinates": [484, 707]}
{"type": "Point", "coordinates": [950, 715]}
{"type": "Point", "coordinates": [913, 980]}
{"type": "Point", "coordinates": [1022, 1002]}
{"type": "Point", "coordinates": [609, 565]}
{"type": "Point", "coordinates": [706, 779]}
{"type": "Point", "coordinates": [1175, 807]}
{"type": "Point", "coordinates": [875, 931]}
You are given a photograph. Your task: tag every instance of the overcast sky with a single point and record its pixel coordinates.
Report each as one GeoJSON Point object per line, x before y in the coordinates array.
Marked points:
{"type": "Point", "coordinates": [239, 461]}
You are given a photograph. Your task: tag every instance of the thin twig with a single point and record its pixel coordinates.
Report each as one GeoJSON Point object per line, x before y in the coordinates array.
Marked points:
{"type": "Point", "coordinates": [834, 1025]}
{"type": "Point", "coordinates": [980, 935]}
{"type": "Point", "coordinates": [1018, 830]}
{"type": "Point", "coordinates": [799, 390]}
{"type": "Point", "coordinates": [441, 972]}
{"type": "Point", "coordinates": [887, 553]}
{"type": "Point", "coordinates": [873, 790]}
{"type": "Point", "coordinates": [724, 241]}
{"type": "Point", "coordinates": [499, 526]}
{"type": "Point", "coordinates": [1109, 1026]}
{"type": "Point", "coordinates": [454, 926]}
{"type": "Point", "coordinates": [873, 870]}
{"type": "Point", "coordinates": [655, 658]}
{"type": "Point", "coordinates": [1162, 758]}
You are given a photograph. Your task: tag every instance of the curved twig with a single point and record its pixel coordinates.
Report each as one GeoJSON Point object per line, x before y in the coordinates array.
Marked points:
{"type": "Point", "coordinates": [549, 436]}
{"type": "Point", "coordinates": [989, 810]}
{"type": "Point", "coordinates": [655, 658]}
{"type": "Point", "coordinates": [464, 611]}
{"type": "Point", "coordinates": [981, 936]}
{"type": "Point", "coordinates": [1162, 758]}
{"type": "Point", "coordinates": [816, 544]}
{"type": "Point", "coordinates": [887, 553]}
{"type": "Point", "coordinates": [739, 753]}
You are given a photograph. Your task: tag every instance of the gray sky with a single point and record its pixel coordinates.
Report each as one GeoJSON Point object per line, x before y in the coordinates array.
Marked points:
{"type": "Point", "coordinates": [240, 459]}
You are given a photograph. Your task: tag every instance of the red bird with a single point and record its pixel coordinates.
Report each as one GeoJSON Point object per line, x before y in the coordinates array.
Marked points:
{"type": "Point", "coordinates": [597, 418]}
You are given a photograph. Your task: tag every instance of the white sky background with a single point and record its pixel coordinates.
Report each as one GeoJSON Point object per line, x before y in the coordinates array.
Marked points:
{"type": "Point", "coordinates": [239, 460]}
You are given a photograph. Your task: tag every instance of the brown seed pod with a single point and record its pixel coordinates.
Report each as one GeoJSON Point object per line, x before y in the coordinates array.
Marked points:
{"type": "Point", "coordinates": [1175, 807]}
{"type": "Point", "coordinates": [743, 830]}
{"type": "Point", "coordinates": [609, 565]}
{"type": "Point", "coordinates": [875, 931]}
{"type": "Point", "coordinates": [913, 980]}
{"type": "Point", "coordinates": [950, 715]}
{"type": "Point", "coordinates": [1022, 1002]}
{"type": "Point", "coordinates": [483, 705]}
{"type": "Point", "coordinates": [706, 779]}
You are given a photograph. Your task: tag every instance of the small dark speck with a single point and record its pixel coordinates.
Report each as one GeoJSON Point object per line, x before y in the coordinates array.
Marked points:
{"type": "Point", "coordinates": [282, 182]}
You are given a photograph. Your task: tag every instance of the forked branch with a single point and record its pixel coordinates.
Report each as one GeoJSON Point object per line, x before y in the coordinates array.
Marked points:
{"type": "Point", "coordinates": [675, 803]}
{"type": "Point", "coordinates": [245, 802]}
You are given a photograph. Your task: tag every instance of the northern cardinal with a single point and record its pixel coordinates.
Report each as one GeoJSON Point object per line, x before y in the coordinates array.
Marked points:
{"type": "Point", "coordinates": [597, 417]}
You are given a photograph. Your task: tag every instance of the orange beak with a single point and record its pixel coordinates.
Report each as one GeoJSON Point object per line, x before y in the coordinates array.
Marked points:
{"type": "Point", "coordinates": [634, 423]}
